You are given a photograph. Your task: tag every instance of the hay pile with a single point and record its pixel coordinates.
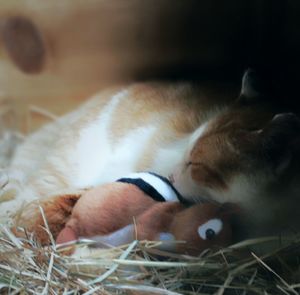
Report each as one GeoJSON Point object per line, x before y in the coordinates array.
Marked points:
{"type": "Point", "coordinates": [260, 266]}
{"type": "Point", "coordinates": [27, 268]}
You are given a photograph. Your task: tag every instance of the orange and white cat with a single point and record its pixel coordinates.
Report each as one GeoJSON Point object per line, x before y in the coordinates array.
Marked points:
{"type": "Point", "coordinates": [235, 152]}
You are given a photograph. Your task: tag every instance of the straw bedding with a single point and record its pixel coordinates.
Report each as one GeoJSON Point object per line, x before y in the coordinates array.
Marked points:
{"type": "Point", "coordinates": [261, 266]}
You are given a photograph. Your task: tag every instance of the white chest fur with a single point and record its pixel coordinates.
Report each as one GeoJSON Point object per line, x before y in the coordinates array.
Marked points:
{"type": "Point", "coordinates": [97, 159]}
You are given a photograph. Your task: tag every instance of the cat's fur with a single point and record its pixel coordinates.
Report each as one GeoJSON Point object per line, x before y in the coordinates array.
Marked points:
{"type": "Point", "coordinates": [235, 152]}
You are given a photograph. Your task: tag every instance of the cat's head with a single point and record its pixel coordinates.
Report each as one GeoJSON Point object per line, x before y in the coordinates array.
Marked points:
{"type": "Point", "coordinates": [245, 154]}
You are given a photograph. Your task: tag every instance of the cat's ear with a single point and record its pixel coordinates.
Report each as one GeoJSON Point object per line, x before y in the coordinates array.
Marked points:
{"type": "Point", "coordinates": [281, 141]}
{"type": "Point", "coordinates": [251, 89]}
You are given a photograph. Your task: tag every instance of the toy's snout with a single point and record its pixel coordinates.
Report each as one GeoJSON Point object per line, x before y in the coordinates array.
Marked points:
{"type": "Point", "coordinates": [204, 226]}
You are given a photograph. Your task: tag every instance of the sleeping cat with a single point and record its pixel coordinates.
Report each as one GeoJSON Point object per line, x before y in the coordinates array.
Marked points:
{"type": "Point", "coordinates": [235, 152]}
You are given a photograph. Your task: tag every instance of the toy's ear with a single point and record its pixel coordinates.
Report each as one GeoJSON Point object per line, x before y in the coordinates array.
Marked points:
{"type": "Point", "coordinates": [120, 237]}
{"type": "Point", "coordinates": [251, 89]}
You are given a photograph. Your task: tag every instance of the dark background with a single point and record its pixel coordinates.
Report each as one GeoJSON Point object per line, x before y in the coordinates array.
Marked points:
{"type": "Point", "coordinates": [220, 39]}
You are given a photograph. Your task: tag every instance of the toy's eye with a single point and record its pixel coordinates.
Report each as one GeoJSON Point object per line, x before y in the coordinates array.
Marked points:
{"type": "Point", "coordinates": [210, 229]}
{"type": "Point", "coordinates": [210, 234]}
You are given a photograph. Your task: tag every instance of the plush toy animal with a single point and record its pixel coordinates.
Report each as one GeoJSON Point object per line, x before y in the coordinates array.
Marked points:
{"type": "Point", "coordinates": [146, 206]}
